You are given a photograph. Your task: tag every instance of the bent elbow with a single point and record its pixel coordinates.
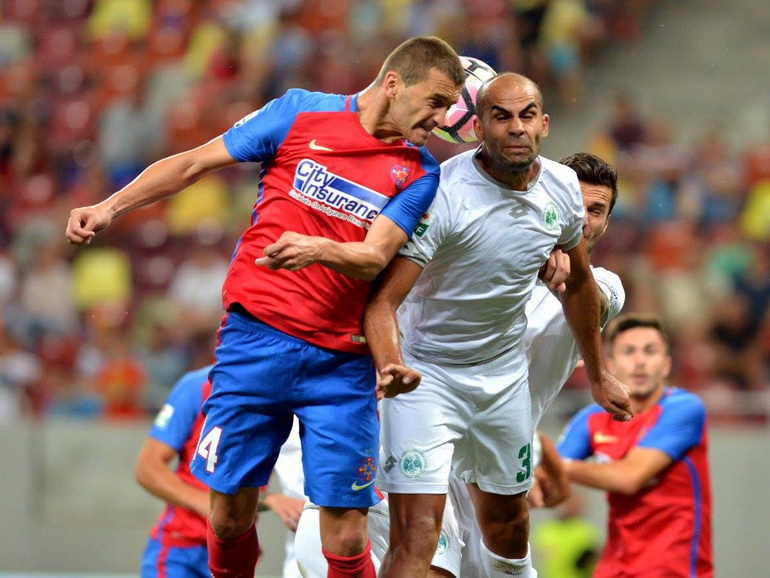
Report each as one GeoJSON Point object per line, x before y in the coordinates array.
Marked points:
{"type": "Point", "coordinates": [141, 476]}
{"type": "Point", "coordinates": [374, 268]}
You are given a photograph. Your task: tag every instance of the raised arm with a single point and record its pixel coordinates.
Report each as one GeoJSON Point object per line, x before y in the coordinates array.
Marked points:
{"type": "Point", "coordinates": [153, 473]}
{"type": "Point", "coordinates": [381, 327]}
{"type": "Point", "coordinates": [161, 179]}
{"type": "Point", "coordinates": [581, 304]}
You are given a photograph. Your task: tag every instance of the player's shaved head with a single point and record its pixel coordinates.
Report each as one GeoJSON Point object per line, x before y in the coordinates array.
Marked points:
{"type": "Point", "coordinates": [413, 59]}
{"type": "Point", "coordinates": [506, 83]}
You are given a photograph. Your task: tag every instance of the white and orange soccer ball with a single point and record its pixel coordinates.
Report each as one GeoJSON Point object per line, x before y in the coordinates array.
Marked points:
{"type": "Point", "coordinates": [459, 128]}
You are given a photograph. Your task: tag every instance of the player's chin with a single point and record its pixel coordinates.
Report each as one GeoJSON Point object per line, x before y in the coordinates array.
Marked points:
{"type": "Point", "coordinates": [419, 136]}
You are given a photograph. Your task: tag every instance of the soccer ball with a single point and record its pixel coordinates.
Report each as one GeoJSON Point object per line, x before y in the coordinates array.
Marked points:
{"type": "Point", "coordinates": [460, 114]}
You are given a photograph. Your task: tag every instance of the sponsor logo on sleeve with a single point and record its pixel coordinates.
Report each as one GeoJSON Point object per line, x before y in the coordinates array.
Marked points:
{"type": "Point", "coordinates": [423, 224]}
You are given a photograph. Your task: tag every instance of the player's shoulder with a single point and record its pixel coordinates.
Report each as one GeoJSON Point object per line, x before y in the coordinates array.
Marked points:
{"type": "Point", "coordinates": [561, 184]}
{"type": "Point", "coordinates": [682, 399]}
{"type": "Point", "coordinates": [612, 286]}
{"type": "Point", "coordinates": [602, 274]}
{"type": "Point", "coordinates": [311, 101]}
{"type": "Point", "coordinates": [555, 171]}
{"type": "Point", "coordinates": [584, 414]}
{"type": "Point", "coordinates": [457, 173]}
{"type": "Point", "coordinates": [457, 167]}
{"type": "Point", "coordinates": [193, 381]}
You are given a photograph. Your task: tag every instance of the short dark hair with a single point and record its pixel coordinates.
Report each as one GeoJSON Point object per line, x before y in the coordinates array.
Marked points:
{"type": "Point", "coordinates": [594, 171]}
{"type": "Point", "coordinates": [413, 59]}
{"type": "Point", "coordinates": [628, 321]}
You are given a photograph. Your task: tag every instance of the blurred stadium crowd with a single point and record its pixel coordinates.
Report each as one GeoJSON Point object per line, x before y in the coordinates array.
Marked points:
{"type": "Point", "coordinates": [92, 91]}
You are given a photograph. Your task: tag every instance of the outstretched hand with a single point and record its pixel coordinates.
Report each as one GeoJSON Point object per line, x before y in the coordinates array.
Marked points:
{"type": "Point", "coordinates": [291, 251]}
{"type": "Point", "coordinates": [288, 509]}
{"type": "Point", "coordinates": [84, 223]}
{"type": "Point", "coordinates": [394, 379]}
{"type": "Point", "coordinates": [613, 395]}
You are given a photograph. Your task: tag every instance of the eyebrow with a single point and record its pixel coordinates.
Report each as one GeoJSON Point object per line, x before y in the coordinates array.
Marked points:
{"type": "Point", "coordinates": [497, 107]}
{"type": "Point", "coordinates": [442, 98]}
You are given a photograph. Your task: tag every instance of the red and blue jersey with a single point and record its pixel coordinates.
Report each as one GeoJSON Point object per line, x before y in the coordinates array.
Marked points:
{"type": "Point", "coordinates": [664, 530]}
{"type": "Point", "coordinates": [178, 425]}
{"type": "Point", "coordinates": [322, 175]}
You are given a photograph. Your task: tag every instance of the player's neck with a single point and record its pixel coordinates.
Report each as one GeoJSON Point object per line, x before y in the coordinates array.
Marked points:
{"type": "Point", "coordinates": [517, 181]}
{"type": "Point", "coordinates": [643, 404]}
{"type": "Point", "coordinates": [372, 112]}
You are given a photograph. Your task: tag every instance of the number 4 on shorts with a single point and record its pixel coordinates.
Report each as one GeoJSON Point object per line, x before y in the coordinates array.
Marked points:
{"type": "Point", "coordinates": [207, 448]}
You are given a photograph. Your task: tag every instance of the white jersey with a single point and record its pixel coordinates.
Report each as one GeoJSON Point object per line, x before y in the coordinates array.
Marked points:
{"type": "Point", "coordinates": [481, 245]}
{"type": "Point", "coordinates": [552, 352]}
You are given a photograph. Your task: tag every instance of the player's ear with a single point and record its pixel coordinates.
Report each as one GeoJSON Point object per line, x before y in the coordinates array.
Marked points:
{"type": "Point", "coordinates": [546, 124]}
{"type": "Point", "coordinates": [478, 128]}
{"type": "Point", "coordinates": [391, 83]}
{"type": "Point", "coordinates": [667, 367]}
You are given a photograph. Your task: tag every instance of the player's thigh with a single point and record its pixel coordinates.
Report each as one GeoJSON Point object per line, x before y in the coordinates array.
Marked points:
{"type": "Point", "coordinates": [163, 561]}
{"type": "Point", "coordinates": [419, 431]}
{"type": "Point", "coordinates": [339, 429]}
{"type": "Point", "coordinates": [496, 453]}
{"type": "Point", "coordinates": [248, 414]}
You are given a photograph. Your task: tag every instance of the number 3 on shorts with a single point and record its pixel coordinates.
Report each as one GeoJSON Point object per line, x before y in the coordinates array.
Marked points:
{"type": "Point", "coordinates": [525, 455]}
{"type": "Point", "coordinates": [207, 448]}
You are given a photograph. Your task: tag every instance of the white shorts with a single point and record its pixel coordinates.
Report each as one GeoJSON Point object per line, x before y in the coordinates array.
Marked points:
{"type": "Point", "coordinates": [307, 540]}
{"type": "Point", "coordinates": [473, 420]}
{"type": "Point", "coordinates": [458, 546]}
{"type": "Point", "coordinates": [457, 550]}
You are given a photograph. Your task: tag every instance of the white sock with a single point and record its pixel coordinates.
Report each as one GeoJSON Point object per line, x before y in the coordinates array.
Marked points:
{"type": "Point", "coordinates": [498, 567]}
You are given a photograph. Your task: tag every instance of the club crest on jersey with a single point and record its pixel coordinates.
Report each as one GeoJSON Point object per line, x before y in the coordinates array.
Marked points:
{"type": "Point", "coordinates": [423, 224]}
{"type": "Point", "coordinates": [367, 469]}
{"type": "Point", "coordinates": [551, 216]}
{"type": "Point", "coordinates": [317, 187]}
{"type": "Point", "coordinates": [399, 174]}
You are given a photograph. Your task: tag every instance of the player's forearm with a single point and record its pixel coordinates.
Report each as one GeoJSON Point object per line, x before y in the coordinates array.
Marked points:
{"type": "Point", "coordinates": [166, 485]}
{"type": "Point", "coordinates": [382, 334]}
{"type": "Point", "coordinates": [608, 477]}
{"type": "Point", "coordinates": [553, 466]}
{"type": "Point", "coordinates": [160, 180]}
{"type": "Point", "coordinates": [581, 306]}
{"type": "Point", "coordinates": [358, 260]}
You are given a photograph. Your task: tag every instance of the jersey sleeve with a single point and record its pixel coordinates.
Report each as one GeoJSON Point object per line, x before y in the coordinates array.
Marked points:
{"type": "Point", "coordinates": [176, 418]}
{"type": "Point", "coordinates": [572, 233]}
{"type": "Point", "coordinates": [429, 233]}
{"type": "Point", "coordinates": [575, 440]}
{"type": "Point", "coordinates": [407, 207]}
{"type": "Point", "coordinates": [612, 288]}
{"type": "Point", "coordinates": [256, 137]}
{"type": "Point", "coordinates": [679, 427]}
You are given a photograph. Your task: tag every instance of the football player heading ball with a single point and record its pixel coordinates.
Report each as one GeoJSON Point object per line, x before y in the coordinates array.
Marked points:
{"type": "Point", "coordinates": [459, 127]}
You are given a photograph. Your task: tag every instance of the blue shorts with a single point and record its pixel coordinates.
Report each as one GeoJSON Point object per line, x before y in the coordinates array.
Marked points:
{"type": "Point", "coordinates": [162, 561]}
{"type": "Point", "coordinates": [261, 379]}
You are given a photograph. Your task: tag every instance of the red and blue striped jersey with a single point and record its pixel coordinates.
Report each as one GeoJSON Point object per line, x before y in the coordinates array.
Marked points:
{"type": "Point", "coordinates": [178, 425]}
{"type": "Point", "coordinates": [322, 175]}
{"type": "Point", "coordinates": [664, 530]}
